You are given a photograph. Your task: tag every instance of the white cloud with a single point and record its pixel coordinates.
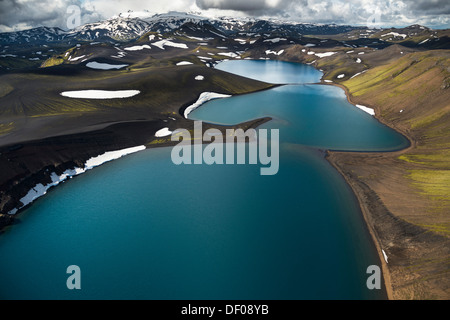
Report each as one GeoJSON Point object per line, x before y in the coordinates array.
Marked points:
{"type": "Point", "coordinates": [354, 12]}
{"type": "Point", "coordinates": [109, 8]}
{"type": "Point", "coordinates": [23, 14]}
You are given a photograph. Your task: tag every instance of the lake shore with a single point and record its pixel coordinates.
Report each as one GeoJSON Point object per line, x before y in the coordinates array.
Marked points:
{"type": "Point", "coordinates": [39, 160]}
{"type": "Point", "coordinates": [403, 194]}
{"type": "Point", "coordinates": [368, 206]}
{"type": "Point", "coordinates": [71, 131]}
{"type": "Point", "coordinates": [115, 137]}
{"type": "Point", "coordinates": [405, 244]}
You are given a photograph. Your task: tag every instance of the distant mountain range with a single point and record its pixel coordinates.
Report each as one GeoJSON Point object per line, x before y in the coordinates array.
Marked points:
{"type": "Point", "coordinates": [43, 46]}
{"type": "Point", "coordinates": [125, 28]}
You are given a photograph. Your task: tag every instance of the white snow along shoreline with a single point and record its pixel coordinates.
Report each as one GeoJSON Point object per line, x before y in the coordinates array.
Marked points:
{"type": "Point", "coordinates": [39, 190]}
{"type": "Point", "coordinates": [163, 132]}
{"type": "Point", "coordinates": [204, 97]}
{"type": "Point", "coordinates": [366, 109]}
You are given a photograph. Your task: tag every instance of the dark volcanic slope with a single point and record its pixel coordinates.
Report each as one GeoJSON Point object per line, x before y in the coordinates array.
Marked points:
{"type": "Point", "coordinates": [37, 109]}
{"type": "Point", "coordinates": [42, 131]}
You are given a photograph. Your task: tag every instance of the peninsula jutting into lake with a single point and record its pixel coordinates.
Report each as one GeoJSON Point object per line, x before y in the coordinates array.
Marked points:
{"type": "Point", "coordinates": [90, 116]}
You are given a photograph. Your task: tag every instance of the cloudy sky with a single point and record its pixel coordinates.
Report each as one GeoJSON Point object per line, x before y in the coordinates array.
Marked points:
{"type": "Point", "coordinates": [24, 14]}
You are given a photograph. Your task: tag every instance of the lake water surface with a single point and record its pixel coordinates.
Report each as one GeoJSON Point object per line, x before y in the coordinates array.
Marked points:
{"type": "Point", "coordinates": [143, 228]}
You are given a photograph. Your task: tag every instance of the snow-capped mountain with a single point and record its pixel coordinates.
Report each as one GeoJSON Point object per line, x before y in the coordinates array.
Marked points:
{"type": "Point", "coordinates": [167, 22]}
{"type": "Point", "coordinates": [202, 29]}
{"type": "Point", "coordinates": [251, 25]}
{"type": "Point", "coordinates": [32, 36]}
{"type": "Point", "coordinates": [130, 25]}
{"type": "Point", "coordinates": [121, 29]}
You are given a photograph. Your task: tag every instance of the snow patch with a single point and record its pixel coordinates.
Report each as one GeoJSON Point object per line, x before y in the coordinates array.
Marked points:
{"type": "Point", "coordinates": [162, 43]}
{"type": "Point", "coordinates": [385, 256]}
{"type": "Point", "coordinates": [195, 38]}
{"type": "Point", "coordinates": [163, 132]}
{"type": "Point", "coordinates": [357, 74]}
{"type": "Point", "coordinates": [104, 66]}
{"type": "Point", "coordinates": [395, 34]}
{"type": "Point", "coordinates": [137, 48]}
{"type": "Point", "coordinates": [204, 97]}
{"type": "Point", "coordinates": [100, 94]}
{"type": "Point", "coordinates": [275, 40]}
{"type": "Point", "coordinates": [366, 109]}
{"type": "Point", "coordinates": [184, 63]}
{"type": "Point", "coordinates": [218, 34]}
{"type": "Point", "coordinates": [325, 54]}
{"type": "Point", "coordinates": [109, 156]}
{"type": "Point", "coordinates": [274, 52]}
{"type": "Point", "coordinates": [229, 54]}
{"type": "Point", "coordinates": [77, 58]}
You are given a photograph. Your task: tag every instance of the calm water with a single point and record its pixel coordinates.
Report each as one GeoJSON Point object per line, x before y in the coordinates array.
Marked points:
{"type": "Point", "coordinates": [314, 115]}
{"type": "Point", "coordinates": [272, 71]}
{"type": "Point", "coordinates": [143, 228]}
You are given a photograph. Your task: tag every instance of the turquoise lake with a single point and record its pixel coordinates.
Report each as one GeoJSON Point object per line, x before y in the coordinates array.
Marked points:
{"type": "Point", "coordinates": [142, 227]}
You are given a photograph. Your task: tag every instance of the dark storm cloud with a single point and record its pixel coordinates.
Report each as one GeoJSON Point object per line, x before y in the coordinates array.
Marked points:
{"type": "Point", "coordinates": [17, 12]}
{"type": "Point", "coordinates": [429, 6]}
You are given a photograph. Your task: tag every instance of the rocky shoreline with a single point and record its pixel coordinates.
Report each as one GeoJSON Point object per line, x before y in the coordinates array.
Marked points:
{"type": "Point", "coordinates": [405, 244]}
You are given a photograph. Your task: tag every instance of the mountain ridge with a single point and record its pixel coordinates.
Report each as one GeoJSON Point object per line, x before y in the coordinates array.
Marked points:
{"type": "Point", "coordinates": [120, 28]}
